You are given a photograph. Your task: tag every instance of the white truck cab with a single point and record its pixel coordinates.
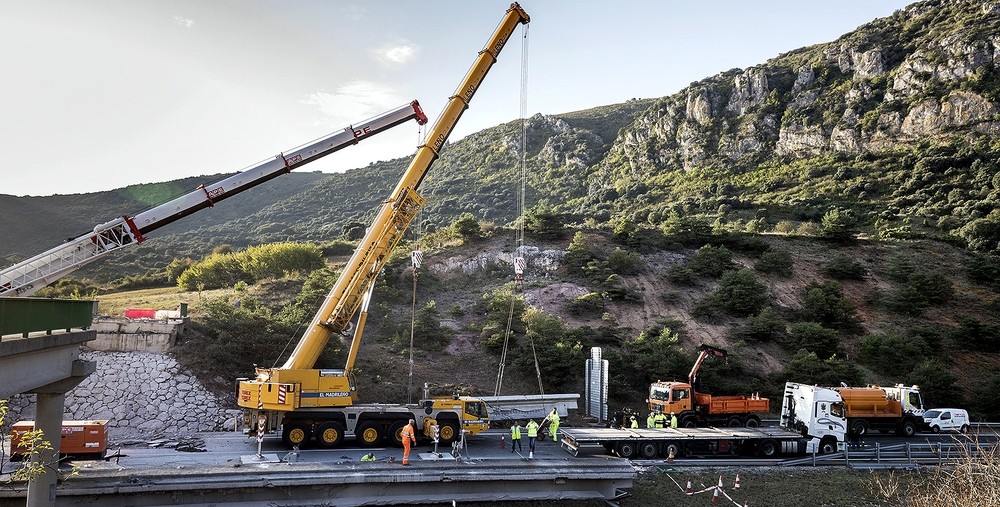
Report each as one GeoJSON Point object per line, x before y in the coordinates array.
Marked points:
{"type": "Point", "coordinates": [947, 419]}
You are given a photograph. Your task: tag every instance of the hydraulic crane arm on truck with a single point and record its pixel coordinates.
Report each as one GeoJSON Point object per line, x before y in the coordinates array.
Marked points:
{"type": "Point", "coordinates": [298, 397]}
{"type": "Point", "coordinates": [28, 276]}
{"type": "Point", "coordinates": [694, 408]}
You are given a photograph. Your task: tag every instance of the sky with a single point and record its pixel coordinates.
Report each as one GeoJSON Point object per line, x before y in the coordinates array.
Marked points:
{"type": "Point", "coordinates": [102, 94]}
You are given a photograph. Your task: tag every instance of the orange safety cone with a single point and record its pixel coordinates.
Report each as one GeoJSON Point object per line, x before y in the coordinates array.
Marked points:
{"type": "Point", "coordinates": [689, 489]}
{"type": "Point", "coordinates": [720, 482]}
{"type": "Point", "coordinates": [670, 455]}
{"type": "Point", "coordinates": [737, 485]}
{"type": "Point", "coordinates": [715, 496]}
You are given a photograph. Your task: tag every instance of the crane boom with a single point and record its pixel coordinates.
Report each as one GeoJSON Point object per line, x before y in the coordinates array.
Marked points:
{"type": "Point", "coordinates": [30, 275]}
{"type": "Point", "coordinates": [313, 405]}
{"type": "Point", "coordinates": [394, 217]}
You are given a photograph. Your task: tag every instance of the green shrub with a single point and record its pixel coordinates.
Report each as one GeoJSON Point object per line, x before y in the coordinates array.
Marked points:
{"type": "Point", "coordinates": [893, 354]}
{"type": "Point", "coordinates": [624, 262]}
{"type": "Point", "coordinates": [806, 367]}
{"type": "Point", "coordinates": [842, 267]}
{"type": "Point", "coordinates": [976, 335]}
{"type": "Point", "coordinates": [812, 336]}
{"type": "Point", "coordinates": [825, 303]}
{"type": "Point", "coordinates": [765, 326]}
{"type": "Point", "coordinates": [587, 305]}
{"type": "Point", "coordinates": [776, 262]}
{"type": "Point", "coordinates": [740, 293]}
{"type": "Point", "coordinates": [711, 261]}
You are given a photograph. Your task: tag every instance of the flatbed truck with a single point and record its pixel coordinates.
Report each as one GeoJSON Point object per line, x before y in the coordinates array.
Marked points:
{"type": "Point", "coordinates": [812, 421]}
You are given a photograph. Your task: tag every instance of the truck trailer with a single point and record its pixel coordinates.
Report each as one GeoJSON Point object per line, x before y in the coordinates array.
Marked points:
{"type": "Point", "coordinates": [898, 409]}
{"type": "Point", "coordinates": [812, 421]}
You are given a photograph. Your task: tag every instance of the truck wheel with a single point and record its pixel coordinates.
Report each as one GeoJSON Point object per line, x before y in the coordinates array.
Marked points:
{"type": "Point", "coordinates": [295, 434]}
{"type": "Point", "coordinates": [396, 433]}
{"type": "Point", "coordinates": [648, 450]}
{"type": "Point", "coordinates": [908, 428]}
{"type": "Point", "coordinates": [828, 445]}
{"type": "Point", "coordinates": [734, 422]}
{"type": "Point", "coordinates": [329, 434]}
{"type": "Point", "coordinates": [689, 422]}
{"type": "Point", "coordinates": [369, 433]}
{"type": "Point", "coordinates": [671, 448]}
{"type": "Point", "coordinates": [627, 449]}
{"type": "Point", "coordinates": [859, 428]}
{"type": "Point", "coordinates": [753, 421]}
{"type": "Point", "coordinates": [935, 429]}
{"type": "Point", "coordinates": [448, 432]}
{"type": "Point", "coordinates": [768, 448]}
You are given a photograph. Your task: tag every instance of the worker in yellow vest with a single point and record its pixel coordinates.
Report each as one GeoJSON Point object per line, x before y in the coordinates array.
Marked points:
{"type": "Point", "coordinates": [651, 420]}
{"type": "Point", "coordinates": [515, 437]}
{"type": "Point", "coordinates": [554, 424]}
{"type": "Point", "coordinates": [532, 428]}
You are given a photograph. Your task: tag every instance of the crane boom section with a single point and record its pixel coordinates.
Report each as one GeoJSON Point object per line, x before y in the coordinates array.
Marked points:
{"type": "Point", "coordinates": [396, 213]}
{"type": "Point", "coordinates": [32, 274]}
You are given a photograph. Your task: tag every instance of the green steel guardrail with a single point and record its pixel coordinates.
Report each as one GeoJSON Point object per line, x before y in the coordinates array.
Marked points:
{"type": "Point", "coordinates": [29, 315]}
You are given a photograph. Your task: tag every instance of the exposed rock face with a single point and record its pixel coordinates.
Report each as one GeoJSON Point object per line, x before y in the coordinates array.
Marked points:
{"type": "Point", "coordinates": [870, 90]}
{"type": "Point", "coordinates": [541, 261]}
{"type": "Point", "coordinates": [142, 394]}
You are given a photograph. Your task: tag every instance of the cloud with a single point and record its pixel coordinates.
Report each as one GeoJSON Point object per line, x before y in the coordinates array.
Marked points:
{"type": "Point", "coordinates": [397, 54]}
{"type": "Point", "coordinates": [185, 22]}
{"type": "Point", "coordinates": [356, 101]}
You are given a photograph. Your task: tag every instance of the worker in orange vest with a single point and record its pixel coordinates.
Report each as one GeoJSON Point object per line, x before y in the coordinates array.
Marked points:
{"type": "Point", "coordinates": [408, 437]}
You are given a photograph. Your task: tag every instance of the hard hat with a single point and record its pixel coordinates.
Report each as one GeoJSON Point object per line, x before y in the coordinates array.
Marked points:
{"type": "Point", "coordinates": [671, 413]}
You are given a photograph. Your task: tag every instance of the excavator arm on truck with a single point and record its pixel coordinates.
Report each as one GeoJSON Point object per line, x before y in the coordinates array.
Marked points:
{"type": "Point", "coordinates": [703, 352]}
{"type": "Point", "coordinates": [307, 387]}
{"type": "Point", "coordinates": [28, 276]}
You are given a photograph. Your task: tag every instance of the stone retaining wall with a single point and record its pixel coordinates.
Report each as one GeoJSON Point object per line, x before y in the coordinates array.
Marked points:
{"type": "Point", "coordinates": [143, 395]}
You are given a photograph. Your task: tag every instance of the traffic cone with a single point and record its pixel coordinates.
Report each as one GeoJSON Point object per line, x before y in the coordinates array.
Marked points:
{"type": "Point", "coordinates": [503, 442]}
{"type": "Point", "coordinates": [531, 454]}
{"type": "Point", "coordinates": [715, 496]}
{"type": "Point", "coordinates": [720, 482]}
{"type": "Point", "coordinates": [689, 489]}
{"type": "Point", "coordinates": [737, 485]}
{"type": "Point", "coordinates": [670, 455]}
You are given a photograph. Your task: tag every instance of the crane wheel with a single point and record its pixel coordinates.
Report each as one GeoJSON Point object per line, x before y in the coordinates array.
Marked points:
{"type": "Point", "coordinates": [448, 432]}
{"type": "Point", "coordinates": [295, 434]}
{"type": "Point", "coordinates": [369, 433]}
{"type": "Point", "coordinates": [329, 434]}
{"type": "Point", "coordinates": [396, 433]}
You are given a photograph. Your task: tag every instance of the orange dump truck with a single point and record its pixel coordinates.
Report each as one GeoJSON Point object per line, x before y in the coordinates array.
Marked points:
{"type": "Point", "coordinates": [82, 439]}
{"type": "Point", "coordinates": [897, 409]}
{"type": "Point", "coordinates": [701, 409]}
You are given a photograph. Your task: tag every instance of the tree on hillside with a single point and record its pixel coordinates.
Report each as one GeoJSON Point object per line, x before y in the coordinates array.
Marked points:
{"type": "Point", "coordinates": [839, 225]}
{"type": "Point", "coordinates": [467, 227]}
{"type": "Point", "coordinates": [544, 222]}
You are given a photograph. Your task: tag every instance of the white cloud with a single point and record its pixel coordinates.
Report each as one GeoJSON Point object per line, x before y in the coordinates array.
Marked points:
{"type": "Point", "coordinates": [185, 22]}
{"type": "Point", "coordinates": [356, 101]}
{"type": "Point", "coordinates": [396, 54]}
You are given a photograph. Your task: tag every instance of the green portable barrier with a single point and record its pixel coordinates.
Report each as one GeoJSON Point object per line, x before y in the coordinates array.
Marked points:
{"type": "Point", "coordinates": [29, 315]}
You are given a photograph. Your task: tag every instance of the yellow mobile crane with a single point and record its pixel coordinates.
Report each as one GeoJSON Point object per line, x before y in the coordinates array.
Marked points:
{"type": "Point", "coordinates": [311, 404]}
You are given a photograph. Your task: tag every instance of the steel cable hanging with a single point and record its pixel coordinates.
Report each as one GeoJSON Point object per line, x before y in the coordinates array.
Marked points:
{"type": "Point", "coordinates": [416, 256]}
{"type": "Point", "coordinates": [519, 263]}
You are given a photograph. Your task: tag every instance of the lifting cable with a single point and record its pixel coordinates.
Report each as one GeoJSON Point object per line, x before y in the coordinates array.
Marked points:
{"type": "Point", "coordinates": [519, 261]}
{"type": "Point", "coordinates": [416, 257]}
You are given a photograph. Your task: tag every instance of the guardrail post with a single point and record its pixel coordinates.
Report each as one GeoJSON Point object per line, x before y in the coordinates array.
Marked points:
{"type": "Point", "coordinates": [878, 453]}
{"type": "Point", "coordinates": [909, 459]}
{"type": "Point", "coordinates": [847, 456]}
{"type": "Point", "coordinates": [939, 453]}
